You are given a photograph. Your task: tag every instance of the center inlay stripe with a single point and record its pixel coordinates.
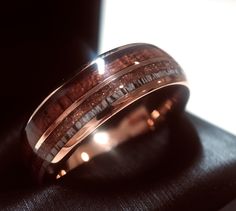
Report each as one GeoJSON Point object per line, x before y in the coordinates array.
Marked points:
{"type": "Point", "coordinates": [90, 92]}
{"type": "Point", "coordinates": [131, 81]}
{"type": "Point", "coordinates": [105, 104]}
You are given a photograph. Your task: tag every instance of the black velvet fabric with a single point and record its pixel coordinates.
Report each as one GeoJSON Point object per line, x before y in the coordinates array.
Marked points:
{"type": "Point", "coordinates": [188, 164]}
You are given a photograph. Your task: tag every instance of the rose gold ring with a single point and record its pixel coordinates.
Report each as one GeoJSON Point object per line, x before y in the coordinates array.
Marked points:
{"type": "Point", "coordinates": [124, 93]}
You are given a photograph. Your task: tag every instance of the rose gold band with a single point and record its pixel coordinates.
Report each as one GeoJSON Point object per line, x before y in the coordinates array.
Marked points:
{"type": "Point", "coordinates": [122, 94]}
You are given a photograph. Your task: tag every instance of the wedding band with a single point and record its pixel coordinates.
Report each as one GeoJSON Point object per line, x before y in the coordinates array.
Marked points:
{"type": "Point", "coordinates": [120, 95]}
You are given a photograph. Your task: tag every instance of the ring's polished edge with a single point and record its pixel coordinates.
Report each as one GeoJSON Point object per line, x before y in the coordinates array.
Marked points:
{"type": "Point", "coordinates": [61, 131]}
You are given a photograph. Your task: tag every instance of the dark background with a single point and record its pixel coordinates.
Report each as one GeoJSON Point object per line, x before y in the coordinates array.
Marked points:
{"type": "Point", "coordinates": [187, 165]}
{"type": "Point", "coordinates": [42, 44]}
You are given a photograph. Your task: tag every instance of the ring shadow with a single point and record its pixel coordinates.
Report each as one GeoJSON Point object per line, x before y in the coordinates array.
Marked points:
{"type": "Point", "coordinates": [150, 159]}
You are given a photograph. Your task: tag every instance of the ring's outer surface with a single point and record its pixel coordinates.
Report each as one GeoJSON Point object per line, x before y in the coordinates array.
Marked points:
{"type": "Point", "coordinates": [121, 94]}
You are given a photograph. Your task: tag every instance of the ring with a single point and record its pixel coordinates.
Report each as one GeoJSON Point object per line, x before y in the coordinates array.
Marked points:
{"type": "Point", "coordinates": [123, 93]}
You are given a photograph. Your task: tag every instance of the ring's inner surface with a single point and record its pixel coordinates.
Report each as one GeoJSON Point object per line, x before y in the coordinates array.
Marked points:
{"type": "Point", "coordinates": [138, 118]}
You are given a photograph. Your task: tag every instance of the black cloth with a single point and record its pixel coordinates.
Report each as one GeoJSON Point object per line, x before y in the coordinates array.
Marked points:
{"type": "Point", "coordinates": [189, 164]}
